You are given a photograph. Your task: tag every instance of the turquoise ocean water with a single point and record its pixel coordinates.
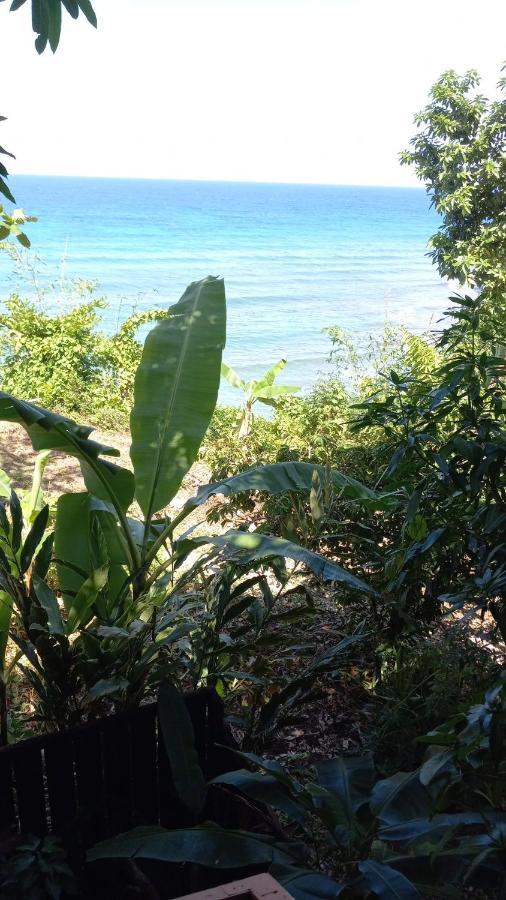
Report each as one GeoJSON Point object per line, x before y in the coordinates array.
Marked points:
{"type": "Point", "coordinates": [295, 258]}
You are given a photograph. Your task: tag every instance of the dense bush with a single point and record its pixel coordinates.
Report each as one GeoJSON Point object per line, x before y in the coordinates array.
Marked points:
{"type": "Point", "coordinates": [62, 360]}
{"type": "Point", "coordinates": [317, 427]}
{"type": "Point", "coordinates": [422, 683]}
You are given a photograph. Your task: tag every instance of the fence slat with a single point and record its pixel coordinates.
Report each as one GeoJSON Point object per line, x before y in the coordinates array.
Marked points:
{"type": "Point", "coordinates": [90, 785]}
{"type": "Point", "coordinates": [144, 771]}
{"type": "Point", "coordinates": [8, 818]}
{"type": "Point", "coordinates": [105, 776]}
{"type": "Point", "coordinates": [117, 773]}
{"type": "Point", "coordinates": [29, 781]}
{"type": "Point", "coordinates": [166, 795]}
{"type": "Point", "coordinates": [218, 739]}
{"type": "Point", "coordinates": [61, 787]}
{"type": "Point", "coordinates": [59, 758]}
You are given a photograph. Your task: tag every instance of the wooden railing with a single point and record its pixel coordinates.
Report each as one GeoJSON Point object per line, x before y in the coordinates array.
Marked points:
{"type": "Point", "coordinates": [105, 777]}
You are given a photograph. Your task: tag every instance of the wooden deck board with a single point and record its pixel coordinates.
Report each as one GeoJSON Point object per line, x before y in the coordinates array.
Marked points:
{"type": "Point", "coordinates": [259, 887]}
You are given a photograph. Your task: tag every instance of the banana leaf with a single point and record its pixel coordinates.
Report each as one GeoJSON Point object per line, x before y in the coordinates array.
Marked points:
{"type": "Point", "coordinates": [176, 387]}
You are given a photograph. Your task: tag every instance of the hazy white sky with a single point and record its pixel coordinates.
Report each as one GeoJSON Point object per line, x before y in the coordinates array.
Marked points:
{"type": "Point", "coordinates": [256, 90]}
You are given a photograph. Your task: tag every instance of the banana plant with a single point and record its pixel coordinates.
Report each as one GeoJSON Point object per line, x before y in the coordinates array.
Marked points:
{"type": "Point", "coordinates": [175, 394]}
{"type": "Point", "coordinates": [263, 390]}
{"type": "Point", "coordinates": [114, 568]}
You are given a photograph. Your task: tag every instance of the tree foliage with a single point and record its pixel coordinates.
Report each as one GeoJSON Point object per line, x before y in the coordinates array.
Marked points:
{"type": "Point", "coordinates": [46, 24]}
{"type": "Point", "coordinates": [459, 153]}
{"type": "Point", "coordinates": [47, 18]}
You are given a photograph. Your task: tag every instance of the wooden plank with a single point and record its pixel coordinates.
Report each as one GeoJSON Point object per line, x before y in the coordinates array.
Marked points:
{"type": "Point", "coordinates": [219, 758]}
{"type": "Point", "coordinates": [61, 788]}
{"type": "Point", "coordinates": [29, 788]}
{"type": "Point", "coordinates": [117, 774]}
{"type": "Point", "coordinates": [259, 887]}
{"type": "Point", "coordinates": [8, 818]}
{"type": "Point", "coordinates": [59, 760]}
{"type": "Point", "coordinates": [144, 769]}
{"type": "Point", "coordinates": [89, 784]}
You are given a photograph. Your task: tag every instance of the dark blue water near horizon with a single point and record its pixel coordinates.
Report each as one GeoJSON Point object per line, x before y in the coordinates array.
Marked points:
{"type": "Point", "coordinates": [295, 258]}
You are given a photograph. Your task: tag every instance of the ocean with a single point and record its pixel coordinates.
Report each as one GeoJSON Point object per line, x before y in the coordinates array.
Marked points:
{"type": "Point", "coordinates": [295, 258]}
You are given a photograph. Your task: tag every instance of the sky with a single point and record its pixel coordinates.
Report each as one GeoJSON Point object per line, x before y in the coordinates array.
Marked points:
{"type": "Point", "coordinates": [311, 91]}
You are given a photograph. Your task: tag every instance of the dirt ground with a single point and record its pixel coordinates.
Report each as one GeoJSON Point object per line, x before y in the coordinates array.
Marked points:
{"type": "Point", "coordinates": [62, 472]}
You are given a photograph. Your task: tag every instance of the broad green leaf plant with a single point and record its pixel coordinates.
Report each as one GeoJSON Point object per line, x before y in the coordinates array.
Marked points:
{"type": "Point", "coordinates": [120, 578]}
{"type": "Point", "coordinates": [262, 390]}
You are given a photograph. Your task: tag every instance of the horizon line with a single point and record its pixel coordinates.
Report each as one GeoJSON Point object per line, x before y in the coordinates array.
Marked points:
{"type": "Point", "coordinates": [219, 181]}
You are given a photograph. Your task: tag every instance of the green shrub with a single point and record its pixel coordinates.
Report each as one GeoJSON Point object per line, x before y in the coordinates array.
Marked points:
{"type": "Point", "coordinates": [311, 428]}
{"type": "Point", "coordinates": [422, 684]}
{"type": "Point", "coordinates": [62, 359]}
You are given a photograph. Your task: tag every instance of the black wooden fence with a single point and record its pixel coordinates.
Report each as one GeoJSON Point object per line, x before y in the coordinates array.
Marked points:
{"type": "Point", "coordinates": [105, 777]}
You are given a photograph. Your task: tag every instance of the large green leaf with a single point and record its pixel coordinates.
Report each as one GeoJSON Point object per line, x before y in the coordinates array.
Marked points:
{"type": "Point", "coordinates": [72, 542]}
{"type": "Point", "coordinates": [291, 476]}
{"type": "Point", "coordinates": [249, 547]}
{"type": "Point", "coordinates": [206, 845]}
{"type": "Point", "coordinates": [432, 865]}
{"type": "Point", "coordinates": [119, 480]}
{"type": "Point", "coordinates": [179, 740]}
{"type": "Point", "coordinates": [270, 376]}
{"type": "Point", "coordinates": [5, 484]}
{"type": "Point", "coordinates": [176, 387]}
{"type": "Point", "coordinates": [266, 789]}
{"type": "Point", "coordinates": [387, 883]}
{"type": "Point", "coordinates": [400, 798]}
{"type": "Point", "coordinates": [304, 885]}
{"type": "Point", "coordinates": [272, 391]}
{"type": "Point", "coordinates": [439, 766]}
{"type": "Point", "coordinates": [414, 830]}
{"type": "Point", "coordinates": [349, 780]}
{"type": "Point", "coordinates": [117, 548]}
{"type": "Point", "coordinates": [49, 431]}
{"type": "Point", "coordinates": [87, 536]}
{"type": "Point", "coordinates": [81, 607]}
{"type": "Point", "coordinates": [232, 377]}
{"type": "Point", "coordinates": [34, 538]}
{"type": "Point", "coordinates": [49, 603]}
